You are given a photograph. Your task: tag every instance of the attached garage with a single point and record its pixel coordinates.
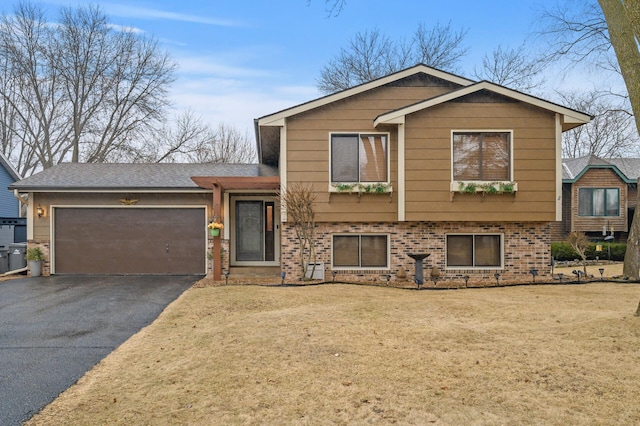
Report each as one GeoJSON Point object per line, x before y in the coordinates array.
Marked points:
{"type": "Point", "coordinates": [129, 240]}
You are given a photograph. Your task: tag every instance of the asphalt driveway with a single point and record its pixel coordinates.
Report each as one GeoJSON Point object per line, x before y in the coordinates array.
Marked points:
{"type": "Point", "coordinates": [54, 329]}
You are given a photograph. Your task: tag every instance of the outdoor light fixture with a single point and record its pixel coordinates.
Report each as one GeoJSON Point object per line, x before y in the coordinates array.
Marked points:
{"type": "Point", "coordinates": [601, 270]}
{"type": "Point", "coordinates": [534, 274]}
{"type": "Point", "coordinates": [419, 283]}
{"type": "Point", "coordinates": [334, 273]}
{"type": "Point", "coordinates": [560, 274]}
{"type": "Point", "coordinates": [577, 273]}
{"type": "Point", "coordinates": [226, 277]}
{"type": "Point", "coordinates": [466, 280]}
{"type": "Point", "coordinates": [388, 278]}
{"type": "Point", "coordinates": [283, 275]}
{"type": "Point", "coordinates": [40, 211]}
{"type": "Point", "coordinates": [497, 277]}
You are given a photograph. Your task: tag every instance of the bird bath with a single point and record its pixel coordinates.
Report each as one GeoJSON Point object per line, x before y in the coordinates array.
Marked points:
{"type": "Point", "coordinates": [418, 258]}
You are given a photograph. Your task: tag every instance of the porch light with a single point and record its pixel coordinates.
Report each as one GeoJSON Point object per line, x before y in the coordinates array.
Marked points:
{"type": "Point", "coordinates": [40, 211]}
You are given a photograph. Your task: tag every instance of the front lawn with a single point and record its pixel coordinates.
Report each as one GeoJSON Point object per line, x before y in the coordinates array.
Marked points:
{"type": "Point", "coordinates": [346, 354]}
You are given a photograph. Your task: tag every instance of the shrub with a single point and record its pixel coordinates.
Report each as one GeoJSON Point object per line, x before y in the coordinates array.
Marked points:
{"type": "Point", "coordinates": [563, 251]}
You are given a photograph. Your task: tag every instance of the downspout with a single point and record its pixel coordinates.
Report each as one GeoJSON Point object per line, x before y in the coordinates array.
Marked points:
{"type": "Point", "coordinates": [20, 198]}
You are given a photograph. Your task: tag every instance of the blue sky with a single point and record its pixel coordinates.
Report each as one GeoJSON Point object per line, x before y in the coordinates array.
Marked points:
{"type": "Point", "coordinates": [239, 60]}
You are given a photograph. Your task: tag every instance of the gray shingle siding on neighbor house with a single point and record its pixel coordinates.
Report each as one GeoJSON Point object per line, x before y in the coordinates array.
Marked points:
{"type": "Point", "coordinates": [106, 176]}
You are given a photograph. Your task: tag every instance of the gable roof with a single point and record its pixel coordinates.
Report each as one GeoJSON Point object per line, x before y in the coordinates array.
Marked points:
{"type": "Point", "coordinates": [277, 119]}
{"type": "Point", "coordinates": [628, 169]}
{"type": "Point", "coordinates": [571, 118]}
{"type": "Point", "coordinates": [133, 177]}
{"type": "Point", "coordinates": [4, 161]}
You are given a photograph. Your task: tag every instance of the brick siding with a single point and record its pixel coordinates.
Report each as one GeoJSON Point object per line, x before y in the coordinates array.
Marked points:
{"type": "Point", "coordinates": [526, 246]}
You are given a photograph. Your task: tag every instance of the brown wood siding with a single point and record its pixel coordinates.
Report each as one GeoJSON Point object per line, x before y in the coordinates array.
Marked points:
{"type": "Point", "coordinates": [599, 178]}
{"type": "Point", "coordinates": [308, 139]}
{"type": "Point", "coordinates": [428, 164]}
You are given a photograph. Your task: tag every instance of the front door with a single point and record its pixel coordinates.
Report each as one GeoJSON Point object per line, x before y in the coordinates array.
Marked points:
{"type": "Point", "coordinates": [255, 230]}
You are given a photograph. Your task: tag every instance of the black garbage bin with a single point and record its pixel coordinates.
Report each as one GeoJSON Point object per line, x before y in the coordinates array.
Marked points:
{"type": "Point", "coordinates": [17, 256]}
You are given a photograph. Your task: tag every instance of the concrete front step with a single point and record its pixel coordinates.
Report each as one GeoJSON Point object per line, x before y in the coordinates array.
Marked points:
{"type": "Point", "coordinates": [255, 271]}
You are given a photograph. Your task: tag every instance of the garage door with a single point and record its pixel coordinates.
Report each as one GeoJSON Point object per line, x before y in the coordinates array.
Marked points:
{"type": "Point", "coordinates": [129, 241]}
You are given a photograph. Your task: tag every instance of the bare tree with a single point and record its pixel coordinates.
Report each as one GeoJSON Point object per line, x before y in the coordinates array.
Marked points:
{"type": "Point", "coordinates": [580, 243]}
{"type": "Point", "coordinates": [372, 55]}
{"type": "Point", "coordinates": [611, 133]}
{"type": "Point", "coordinates": [513, 68]}
{"type": "Point", "coordinates": [333, 7]}
{"type": "Point", "coordinates": [188, 139]}
{"type": "Point", "coordinates": [77, 89]}
{"type": "Point", "coordinates": [298, 199]}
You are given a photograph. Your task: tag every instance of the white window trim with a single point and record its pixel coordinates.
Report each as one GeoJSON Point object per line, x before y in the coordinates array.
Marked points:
{"type": "Point", "coordinates": [387, 182]}
{"type": "Point", "coordinates": [455, 184]}
{"type": "Point", "coordinates": [360, 268]}
{"type": "Point", "coordinates": [475, 268]}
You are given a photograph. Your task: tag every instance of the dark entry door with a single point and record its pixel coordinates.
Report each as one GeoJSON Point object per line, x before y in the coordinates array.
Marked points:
{"type": "Point", "coordinates": [255, 231]}
{"type": "Point", "coordinates": [129, 241]}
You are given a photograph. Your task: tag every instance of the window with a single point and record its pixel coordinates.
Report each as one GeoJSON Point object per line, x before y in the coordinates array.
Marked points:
{"type": "Point", "coordinates": [474, 251]}
{"type": "Point", "coordinates": [360, 251]}
{"type": "Point", "coordinates": [599, 202]}
{"type": "Point", "coordinates": [482, 156]}
{"type": "Point", "coordinates": [359, 158]}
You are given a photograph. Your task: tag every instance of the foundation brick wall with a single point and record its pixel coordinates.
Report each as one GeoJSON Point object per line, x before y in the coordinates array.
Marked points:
{"type": "Point", "coordinates": [526, 246]}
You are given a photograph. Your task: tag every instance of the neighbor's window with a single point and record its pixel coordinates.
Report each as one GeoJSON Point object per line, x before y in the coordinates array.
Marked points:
{"type": "Point", "coordinates": [599, 202]}
{"type": "Point", "coordinates": [359, 157]}
{"type": "Point", "coordinates": [360, 251]}
{"type": "Point", "coordinates": [482, 156]}
{"type": "Point", "coordinates": [474, 250]}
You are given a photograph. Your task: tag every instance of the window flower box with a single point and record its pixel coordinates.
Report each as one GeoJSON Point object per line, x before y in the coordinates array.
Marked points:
{"type": "Point", "coordinates": [361, 188]}
{"type": "Point", "coordinates": [474, 187]}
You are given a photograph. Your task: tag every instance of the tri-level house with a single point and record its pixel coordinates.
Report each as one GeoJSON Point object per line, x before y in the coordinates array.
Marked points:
{"type": "Point", "coordinates": [418, 162]}
{"type": "Point", "coordinates": [423, 161]}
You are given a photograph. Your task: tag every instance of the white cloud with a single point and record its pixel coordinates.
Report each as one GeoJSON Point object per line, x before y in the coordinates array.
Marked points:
{"type": "Point", "coordinates": [122, 10]}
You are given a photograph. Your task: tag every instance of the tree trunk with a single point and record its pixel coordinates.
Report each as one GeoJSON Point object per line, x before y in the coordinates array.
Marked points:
{"type": "Point", "coordinates": [632, 256]}
{"type": "Point", "coordinates": [620, 23]}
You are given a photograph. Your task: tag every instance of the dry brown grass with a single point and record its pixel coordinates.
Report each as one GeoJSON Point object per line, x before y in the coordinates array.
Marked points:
{"type": "Point", "coordinates": [344, 354]}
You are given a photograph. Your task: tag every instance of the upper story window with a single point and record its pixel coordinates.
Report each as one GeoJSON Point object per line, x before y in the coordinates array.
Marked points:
{"type": "Point", "coordinates": [599, 202]}
{"type": "Point", "coordinates": [360, 157]}
{"type": "Point", "coordinates": [482, 156]}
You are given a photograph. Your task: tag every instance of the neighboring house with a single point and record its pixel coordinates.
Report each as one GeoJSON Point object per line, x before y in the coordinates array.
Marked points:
{"type": "Point", "coordinates": [9, 204]}
{"type": "Point", "coordinates": [599, 196]}
{"type": "Point", "coordinates": [420, 161]}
